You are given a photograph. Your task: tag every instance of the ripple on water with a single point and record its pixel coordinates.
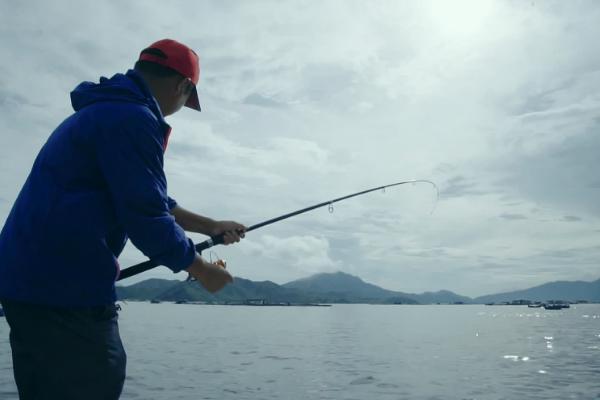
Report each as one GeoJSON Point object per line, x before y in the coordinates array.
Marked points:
{"type": "Point", "coordinates": [366, 380]}
{"type": "Point", "coordinates": [387, 386]}
{"type": "Point", "coordinates": [279, 358]}
{"type": "Point", "coordinates": [212, 371]}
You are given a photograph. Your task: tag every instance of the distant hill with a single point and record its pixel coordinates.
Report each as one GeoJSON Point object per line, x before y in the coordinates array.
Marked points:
{"type": "Point", "coordinates": [355, 290]}
{"type": "Point", "coordinates": [339, 287]}
{"type": "Point", "coordinates": [240, 290]}
{"type": "Point", "coordinates": [345, 288]}
{"type": "Point", "coordinates": [336, 287]}
{"type": "Point", "coordinates": [145, 290]}
{"type": "Point", "coordinates": [562, 290]}
{"type": "Point", "coordinates": [442, 296]}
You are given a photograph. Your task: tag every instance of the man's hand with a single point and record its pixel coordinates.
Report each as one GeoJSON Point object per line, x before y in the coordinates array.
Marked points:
{"type": "Point", "coordinates": [191, 222]}
{"type": "Point", "coordinates": [232, 231]}
{"type": "Point", "coordinates": [213, 276]}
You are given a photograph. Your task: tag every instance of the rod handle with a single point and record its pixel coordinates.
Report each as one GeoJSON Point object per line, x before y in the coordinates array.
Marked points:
{"type": "Point", "coordinates": [213, 241]}
{"type": "Point", "coordinates": [208, 243]}
{"type": "Point", "coordinates": [136, 269]}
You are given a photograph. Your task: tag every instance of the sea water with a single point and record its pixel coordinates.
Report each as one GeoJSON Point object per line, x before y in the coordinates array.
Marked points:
{"type": "Point", "coordinates": [353, 352]}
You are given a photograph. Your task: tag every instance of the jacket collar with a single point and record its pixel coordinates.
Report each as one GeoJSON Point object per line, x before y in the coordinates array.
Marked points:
{"type": "Point", "coordinates": [151, 101]}
{"type": "Point", "coordinates": [145, 89]}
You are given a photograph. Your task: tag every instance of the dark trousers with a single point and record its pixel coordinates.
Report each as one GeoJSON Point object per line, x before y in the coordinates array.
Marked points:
{"type": "Point", "coordinates": [66, 354]}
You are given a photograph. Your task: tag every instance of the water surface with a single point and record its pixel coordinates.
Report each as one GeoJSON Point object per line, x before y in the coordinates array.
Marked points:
{"type": "Point", "coordinates": [354, 352]}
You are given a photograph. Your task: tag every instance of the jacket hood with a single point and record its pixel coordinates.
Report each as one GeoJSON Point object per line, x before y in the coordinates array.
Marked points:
{"type": "Point", "coordinates": [129, 87]}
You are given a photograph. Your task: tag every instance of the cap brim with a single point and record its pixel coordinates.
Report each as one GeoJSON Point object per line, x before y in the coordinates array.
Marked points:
{"type": "Point", "coordinates": [192, 101]}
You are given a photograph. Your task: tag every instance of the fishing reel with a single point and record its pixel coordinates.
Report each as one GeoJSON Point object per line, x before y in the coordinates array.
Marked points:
{"type": "Point", "coordinates": [219, 261]}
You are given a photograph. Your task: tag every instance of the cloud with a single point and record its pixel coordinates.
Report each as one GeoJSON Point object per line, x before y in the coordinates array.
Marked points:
{"type": "Point", "coordinates": [460, 186]}
{"type": "Point", "coordinates": [497, 102]}
{"type": "Point", "coordinates": [561, 174]}
{"type": "Point", "coordinates": [12, 100]}
{"type": "Point", "coordinates": [308, 254]}
{"type": "Point", "coordinates": [512, 217]}
{"type": "Point", "coordinates": [262, 101]}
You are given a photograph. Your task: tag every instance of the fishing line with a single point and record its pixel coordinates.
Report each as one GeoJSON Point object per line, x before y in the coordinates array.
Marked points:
{"type": "Point", "coordinates": [218, 239]}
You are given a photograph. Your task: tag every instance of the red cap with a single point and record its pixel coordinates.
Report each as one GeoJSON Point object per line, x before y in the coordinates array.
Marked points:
{"type": "Point", "coordinates": [180, 58]}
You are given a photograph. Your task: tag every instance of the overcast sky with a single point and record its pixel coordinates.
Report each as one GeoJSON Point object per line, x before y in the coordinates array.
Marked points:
{"type": "Point", "coordinates": [304, 101]}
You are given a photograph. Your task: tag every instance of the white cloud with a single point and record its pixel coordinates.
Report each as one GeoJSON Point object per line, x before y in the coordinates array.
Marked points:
{"type": "Point", "coordinates": [495, 101]}
{"type": "Point", "coordinates": [296, 255]}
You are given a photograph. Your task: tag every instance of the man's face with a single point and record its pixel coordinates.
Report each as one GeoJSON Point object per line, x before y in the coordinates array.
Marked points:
{"type": "Point", "coordinates": [181, 91]}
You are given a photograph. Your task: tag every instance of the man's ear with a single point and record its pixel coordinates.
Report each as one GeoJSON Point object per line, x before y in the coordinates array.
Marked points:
{"type": "Point", "coordinates": [185, 86]}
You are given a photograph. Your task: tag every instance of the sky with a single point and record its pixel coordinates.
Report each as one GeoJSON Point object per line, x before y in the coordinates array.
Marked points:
{"type": "Point", "coordinates": [497, 102]}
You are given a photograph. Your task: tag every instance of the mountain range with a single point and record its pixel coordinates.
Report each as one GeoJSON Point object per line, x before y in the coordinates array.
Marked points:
{"type": "Point", "coordinates": [340, 287]}
{"type": "Point", "coordinates": [563, 290]}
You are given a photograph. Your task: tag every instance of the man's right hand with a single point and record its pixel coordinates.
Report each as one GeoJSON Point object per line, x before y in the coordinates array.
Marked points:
{"type": "Point", "coordinates": [211, 275]}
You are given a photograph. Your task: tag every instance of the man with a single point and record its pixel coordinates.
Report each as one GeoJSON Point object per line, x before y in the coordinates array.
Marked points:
{"type": "Point", "coordinates": [96, 182]}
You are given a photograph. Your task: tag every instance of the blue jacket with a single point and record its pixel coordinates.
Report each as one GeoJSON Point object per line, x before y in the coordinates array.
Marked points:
{"type": "Point", "coordinates": [97, 181]}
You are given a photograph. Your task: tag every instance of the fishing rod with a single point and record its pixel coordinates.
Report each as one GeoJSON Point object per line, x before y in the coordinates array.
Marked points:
{"type": "Point", "coordinates": [218, 239]}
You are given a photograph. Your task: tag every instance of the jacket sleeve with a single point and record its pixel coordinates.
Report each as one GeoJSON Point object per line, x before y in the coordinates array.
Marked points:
{"type": "Point", "coordinates": [171, 203]}
{"type": "Point", "coordinates": [130, 156]}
